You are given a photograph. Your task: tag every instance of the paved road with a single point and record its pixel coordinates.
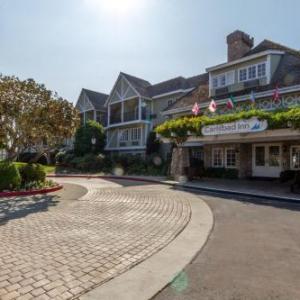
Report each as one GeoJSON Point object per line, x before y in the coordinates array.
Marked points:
{"type": "Point", "coordinates": [253, 253]}
{"type": "Point", "coordinates": [58, 247]}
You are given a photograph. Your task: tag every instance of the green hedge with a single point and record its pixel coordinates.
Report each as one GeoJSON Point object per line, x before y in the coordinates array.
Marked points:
{"type": "Point", "coordinates": [221, 173]}
{"type": "Point", "coordinates": [31, 173]}
{"type": "Point", "coordinates": [178, 128]}
{"type": "Point", "coordinates": [10, 178]}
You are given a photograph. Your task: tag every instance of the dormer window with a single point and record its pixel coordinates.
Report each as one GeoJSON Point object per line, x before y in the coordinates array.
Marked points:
{"type": "Point", "coordinates": [252, 72]}
{"type": "Point", "coordinates": [261, 70]}
{"type": "Point", "coordinates": [222, 80]}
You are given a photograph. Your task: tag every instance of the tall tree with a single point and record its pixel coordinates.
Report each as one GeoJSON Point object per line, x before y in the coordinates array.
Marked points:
{"type": "Point", "coordinates": [33, 117]}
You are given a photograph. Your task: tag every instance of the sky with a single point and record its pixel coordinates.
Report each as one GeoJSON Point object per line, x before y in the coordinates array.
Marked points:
{"type": "Point", "coordinates": [74, 44]}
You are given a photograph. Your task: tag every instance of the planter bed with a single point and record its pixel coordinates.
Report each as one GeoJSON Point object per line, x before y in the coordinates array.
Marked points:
{"type": "Point", "coordinates": [31, 192]}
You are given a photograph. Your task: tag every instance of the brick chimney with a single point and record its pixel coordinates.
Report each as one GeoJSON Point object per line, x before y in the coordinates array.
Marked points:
{"type": "Point", "coordinates": [239, 43]}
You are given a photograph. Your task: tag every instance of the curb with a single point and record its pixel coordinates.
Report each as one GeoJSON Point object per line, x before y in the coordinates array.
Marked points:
{"type": "Point", "coordinates": [30, 193]}
{"type": "Point", "coordinates": [152, 275]}
{"type": "Point", "coordinates": [243, 194]}
{"type": "Point", "coordinates": [190, 187]}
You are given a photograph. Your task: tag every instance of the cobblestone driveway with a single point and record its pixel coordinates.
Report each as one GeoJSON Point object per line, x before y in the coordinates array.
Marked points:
{"type": "Point", "coordinates": [52, 247]}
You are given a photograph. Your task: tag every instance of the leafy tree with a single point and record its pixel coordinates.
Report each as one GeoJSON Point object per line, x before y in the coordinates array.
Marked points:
{"type": "Point", "coordinates": [84, 137]}
{"type": "Point", "coordinates": [153, 144]}
{"type": "Point", "coordinates": [33, 117]}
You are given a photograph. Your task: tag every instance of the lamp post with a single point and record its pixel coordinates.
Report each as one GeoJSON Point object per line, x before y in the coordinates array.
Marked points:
{"type": "Point", "coordinates": [93, 141]}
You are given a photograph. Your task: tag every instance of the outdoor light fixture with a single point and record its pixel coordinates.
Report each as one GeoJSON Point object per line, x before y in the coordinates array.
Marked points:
{"type": "Point", "coordinates": [93, 141]}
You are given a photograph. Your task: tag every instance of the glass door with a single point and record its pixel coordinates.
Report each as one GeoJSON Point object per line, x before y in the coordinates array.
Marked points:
{"type": "Point", "coordinates": [266, 160]}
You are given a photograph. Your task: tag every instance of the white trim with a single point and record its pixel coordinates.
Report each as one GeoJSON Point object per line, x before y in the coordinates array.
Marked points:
{"type": "Point", "coordinates": [140, 108]}
{"type": "Point", "coordinates": [268, 69]}
{"type": "Point", "coordinates": [121, 76]}
{"type": "Point", "coordinates": [127, 123]}
{"type": "Point", "coordinates": [212, 157]}
{"type": "Point", "coordinates": [291, 158]}
{"type": "Point", "coordinates": [243, 59]}
{"type": "Point", "coordinates": [173, 92]}
{"type": "Point", "coordinates": [256, 70]}
{"type": "Point", "coordinates": [225, 162]}
{"type": "Point", "coordinates": [227, 82]}
{"type": "Point", "coordinates": [127, 148]}
{"type": "Point", "coordinates": [285, 90]}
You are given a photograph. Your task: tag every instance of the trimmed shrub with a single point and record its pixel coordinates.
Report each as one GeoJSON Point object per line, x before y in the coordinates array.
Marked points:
{"type": "Point", "coordinates": [83, 139]}
{"type": "Point", "coordinates": [32, 173]}
{"type": "Point", "coordinates": [153, 144]}
{"type": "Point", "coordinates": [89, 162]}
{"type": "Point", "coordinates": [287, 175]}
{"type": "Point", "coordinates": [10, 178]}
{"type": "Point", "coordinates": [64, 158]}
{"type": "Point", "coordinates": [221, 173]}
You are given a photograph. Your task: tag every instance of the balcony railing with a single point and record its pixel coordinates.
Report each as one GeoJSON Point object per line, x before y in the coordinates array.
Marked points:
{"type": "Point", "coordinates": [115, 119]}
{"type": "Point", "coordinates": [131, 116]}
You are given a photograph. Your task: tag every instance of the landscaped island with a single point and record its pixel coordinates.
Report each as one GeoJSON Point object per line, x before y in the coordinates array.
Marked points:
{"type": "Point", "coordinates": [23, 177]}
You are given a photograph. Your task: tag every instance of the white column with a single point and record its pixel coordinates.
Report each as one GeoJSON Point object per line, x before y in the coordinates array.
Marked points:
{"type": "Point", "coordinates": [122, 111]}
{"type": "Point", "coordinates": [108, 115]}
{"type": "Point", "coordinates": [140, 108]}
{"type": "Point", "coordinates": [95, 115]}
{"type": "Point", "coordinates": [84, 118]}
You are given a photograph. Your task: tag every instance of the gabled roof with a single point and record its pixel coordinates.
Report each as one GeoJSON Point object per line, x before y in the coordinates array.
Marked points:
{"type": "Point", "coordinates": [199, 93]}
{"type": "Point", "coordinates": [270, 45]}
{"type": "Point", "coordinates": [140, 85]}
{"type": "Point", "coordinates": [174, 84]}
{"type": "Point", "coordinates": [97, 99]}
{"type": "Point", "coordinates": [286, 74]}
{"type": "Point", "coordinates": [145, 89]}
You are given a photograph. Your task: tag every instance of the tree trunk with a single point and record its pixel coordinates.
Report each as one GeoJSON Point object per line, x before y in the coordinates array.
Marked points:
{"type": "Point", "coordinates": [180, 162]}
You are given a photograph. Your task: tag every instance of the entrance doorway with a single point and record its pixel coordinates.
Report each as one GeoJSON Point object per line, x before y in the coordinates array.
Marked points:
{"type": "Point", "coordinates": [266, 160]}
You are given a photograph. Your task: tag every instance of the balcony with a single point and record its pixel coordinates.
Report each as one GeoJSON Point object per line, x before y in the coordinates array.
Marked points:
{"type": "Point", "coordinates": [131, 115]}
{"type": "Point", "coordinates": [115, 119]}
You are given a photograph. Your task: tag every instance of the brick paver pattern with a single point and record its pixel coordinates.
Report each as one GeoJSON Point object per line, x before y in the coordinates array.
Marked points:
{"type": "Point", "coordinates": [64, 250]}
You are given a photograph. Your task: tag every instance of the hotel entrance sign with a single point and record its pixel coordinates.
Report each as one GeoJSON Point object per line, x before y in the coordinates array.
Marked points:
{"type": "Point", "coordinates": [241, 126]}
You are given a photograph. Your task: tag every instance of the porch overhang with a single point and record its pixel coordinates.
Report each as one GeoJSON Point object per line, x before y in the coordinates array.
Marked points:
{"type": "Point", "coordinates": [275, 135]}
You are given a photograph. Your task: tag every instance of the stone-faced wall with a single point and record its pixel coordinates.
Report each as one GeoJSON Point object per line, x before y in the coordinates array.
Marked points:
{"type": "Point", "coordinates": [246, 161]}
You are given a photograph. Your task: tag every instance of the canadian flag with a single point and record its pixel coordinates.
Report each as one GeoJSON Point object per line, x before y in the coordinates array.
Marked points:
{"type": "Point", "coordinates": [212, 106]}
{"type": "Point", "coordinates": [276, 95]}
{"type": "Point", "coordinates": [196, 109]}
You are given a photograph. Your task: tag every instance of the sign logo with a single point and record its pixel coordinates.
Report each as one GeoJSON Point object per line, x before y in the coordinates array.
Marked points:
{"type": "Point", "coordinates": [241, 126]}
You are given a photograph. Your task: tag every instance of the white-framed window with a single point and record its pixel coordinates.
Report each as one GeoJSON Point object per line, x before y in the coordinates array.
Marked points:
{"type": "Point", "coordinates": [243, 74]}
{"type": "Point", "coordinates": [295, 157]}
{"type": "Point", "coordinates": [217, 157]}
{"type": "Point", "coordinates": [223, 79]}
{"type": "Point", "coordinates": [135, 134]}
{"type": "Point", "coordinates": [230, 158]}
{"type": "Point", "coordinates": [252, 72]}
{"type": "Point", "coordinates": [261, 70]}
{"type": "Point", "coordinates": [124, 137]}
{"type": "Point", "coordinates": [215, 82]}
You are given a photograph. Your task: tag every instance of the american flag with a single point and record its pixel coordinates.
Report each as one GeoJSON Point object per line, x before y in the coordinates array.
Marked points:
{"type": "Point", "coordinates": [196, 109]}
